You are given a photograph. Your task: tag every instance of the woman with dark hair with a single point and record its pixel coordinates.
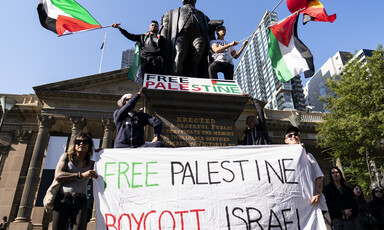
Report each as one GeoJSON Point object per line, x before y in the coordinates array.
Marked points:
{"type": "Point", "coordinates": [73, 172]}
{"type": "Point", "coordinates": [364, 216]}
{"type": "Point", "coordinates": [339, 197]}
{"type": "Point", "coordinates": [377, 206]}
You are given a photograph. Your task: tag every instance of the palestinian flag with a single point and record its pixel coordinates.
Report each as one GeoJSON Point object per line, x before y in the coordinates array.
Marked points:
{"type": "Point", "coordinates": [316, 12]}
{"type": "Point", "coordinates": [59, 16]}
{"type": "Point", "coordinates": [134, 72]}
{"type": "Point", "coordinates": [289, 56]}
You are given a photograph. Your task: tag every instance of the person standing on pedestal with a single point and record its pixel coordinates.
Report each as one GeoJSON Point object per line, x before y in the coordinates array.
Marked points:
{"type": "Point", "coordinates": [223, 53]}
{"type": "Point", "coordinates": [154, 48]}
{"type": "Point", "coordinates": [130, 124]}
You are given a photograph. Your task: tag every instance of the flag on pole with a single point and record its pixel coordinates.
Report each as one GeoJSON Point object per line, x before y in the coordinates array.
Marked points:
{"type": "Point", "coordinates": [59, 16]}
{"type": "Point", "coordinates": [289, 56]}
{"type": "Point", "coordinates": [134, 72]}
{"type": "Point", "coordinates": [312, 10]}
{"type": "Point", "coordinates": [316, 12]}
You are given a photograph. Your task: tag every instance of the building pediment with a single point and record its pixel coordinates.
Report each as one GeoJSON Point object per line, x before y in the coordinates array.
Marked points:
{"type": "Point", "coordinates": [99, 85]}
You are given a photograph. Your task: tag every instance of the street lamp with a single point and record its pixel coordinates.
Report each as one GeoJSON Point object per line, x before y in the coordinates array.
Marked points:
{"type": "Point", "coordinates": [7, 104]}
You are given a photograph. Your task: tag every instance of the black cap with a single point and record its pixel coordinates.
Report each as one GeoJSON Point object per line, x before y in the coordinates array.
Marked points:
{"type": "Point", "coordinates": [153, 21]}
{"type": "Point", "coordinates": [292, 129]}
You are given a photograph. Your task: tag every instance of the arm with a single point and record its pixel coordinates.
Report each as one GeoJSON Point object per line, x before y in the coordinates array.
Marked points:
{"type": "Point", "coordinates": [62, 176]}
{"type": "Point", "coordinates": [318, 189]}
{"type": "Point", "coordinates": [132, 37]}
{"type": "Point", "coordinates": [121, 113]}
{"type": "Point", "coordinates": [157, 126]}
{"type": "Point", "coordinates": [236, 55]}
{"type": "Point", "coordinates": [219, 49]}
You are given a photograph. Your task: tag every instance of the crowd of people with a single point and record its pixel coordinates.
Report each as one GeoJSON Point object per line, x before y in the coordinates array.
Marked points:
{"type": "Point", "coordinates": [343, 207]}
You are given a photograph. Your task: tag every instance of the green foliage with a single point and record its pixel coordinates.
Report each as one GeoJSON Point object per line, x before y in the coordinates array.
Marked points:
{"type": "Point", "coordinates": [355, 124]}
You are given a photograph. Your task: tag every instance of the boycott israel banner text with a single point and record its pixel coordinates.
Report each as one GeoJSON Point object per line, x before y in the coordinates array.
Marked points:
{"type": "Point", "coordinates": [200, 85]}
{"type": "Point", "coordinates": [225, 188]}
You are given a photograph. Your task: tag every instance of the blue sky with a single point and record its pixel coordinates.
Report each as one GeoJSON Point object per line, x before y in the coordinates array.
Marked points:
{"type": "Point", "coordinates": [32, 56]}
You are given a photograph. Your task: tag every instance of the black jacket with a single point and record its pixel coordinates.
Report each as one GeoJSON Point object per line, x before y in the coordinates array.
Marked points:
{"type": "Point", "coordinates": [130, 129]}
{"type": "Point", "coordinates": [339, 200]}
{"type": "Point", "coordinates": [152, 45]}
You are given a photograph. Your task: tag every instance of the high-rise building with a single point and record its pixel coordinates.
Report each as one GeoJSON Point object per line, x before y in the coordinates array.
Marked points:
{"type": "Point", "coordinates": [255, 75]}
{"type": "Point", "coordinates": [315, 87]}
{"type": "Point", "coordinates": [127, 58]}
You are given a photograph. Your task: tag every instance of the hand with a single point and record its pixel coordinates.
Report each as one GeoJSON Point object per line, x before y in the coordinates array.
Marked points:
{"type": "Point", "coordinates": [233, 43]}
{"type": "Point", "coordinates": [315, 199]}
{"type": "Point", "coordinates": [89, 174]}
{"type": "Point", "coordinates": [245, 43]}
{"type": "Point", "coordinates": [116, 25]}
{"type": "Point", "coordinates": [156, 138]}
{"type": "Point", "coordinates": [161, 59]}
{"type": "Point", "coordinates": [141, 93]}
{"type": "Point", "coordinates": [348, 213]}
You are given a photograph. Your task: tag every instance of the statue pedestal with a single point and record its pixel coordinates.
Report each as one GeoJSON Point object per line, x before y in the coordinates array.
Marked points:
{"type": "Point", "coordinates": [196, 119]}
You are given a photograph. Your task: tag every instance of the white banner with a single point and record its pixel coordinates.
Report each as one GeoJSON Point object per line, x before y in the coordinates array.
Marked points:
{"type": "Point", "coordinates": [226, 188]}
{"type": "Point", "coordinates": [191, 84]}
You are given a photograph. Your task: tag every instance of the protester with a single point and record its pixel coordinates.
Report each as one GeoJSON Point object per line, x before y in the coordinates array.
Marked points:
{"type": "Point", "coordinates": [73, 171]}
{"type": "Point", "coordinates": [223, 53]}
{"type": "Point", "coordinates": [153, 51]}
{"type": "Point", "coordinates": [364, 212]}
{"type": "Point", "coordinates": [292, 136]}
{"type": "Point", "coordinates": [4, 223]}
{"type": "Point", "coordinates": [377, 206]}
{"type": "Point", "coordinates": [342, 207]}
{"type": "Point", "coordinates": [256, 132]}
{"type": "Point", "coordinates": [130, 124]}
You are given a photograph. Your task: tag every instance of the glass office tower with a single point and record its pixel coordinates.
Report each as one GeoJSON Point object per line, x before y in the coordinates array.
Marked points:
{"type": "Point", "coordinates": [255, 75]}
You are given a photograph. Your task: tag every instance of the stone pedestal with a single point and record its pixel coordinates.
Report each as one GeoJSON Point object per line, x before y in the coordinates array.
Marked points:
{"type": "Point", "coordinates": [196, 119]}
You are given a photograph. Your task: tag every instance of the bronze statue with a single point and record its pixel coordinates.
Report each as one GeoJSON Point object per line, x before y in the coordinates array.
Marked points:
{"type": "Point", "coordinates": [188, 31]}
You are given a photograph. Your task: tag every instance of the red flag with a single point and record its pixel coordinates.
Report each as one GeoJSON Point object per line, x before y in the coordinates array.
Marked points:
{"type": "Point", "coordinates": [313, 10]}
{"type": "Point", "coordinates": [316, 12]}
{"type": "Point", "coordinates": [295, 5]}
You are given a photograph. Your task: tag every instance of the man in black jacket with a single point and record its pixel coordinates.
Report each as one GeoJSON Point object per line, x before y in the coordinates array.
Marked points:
{"type": "Point", "coordinates": [153, 51]}
{"type": "Point", "coordinates": [130, 124]}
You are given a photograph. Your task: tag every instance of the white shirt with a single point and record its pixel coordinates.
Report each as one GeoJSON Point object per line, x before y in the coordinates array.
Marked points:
{"type": "Point", "coordinates": [224, 56]}
{"type": "Point", "coordinates": [316, 173]}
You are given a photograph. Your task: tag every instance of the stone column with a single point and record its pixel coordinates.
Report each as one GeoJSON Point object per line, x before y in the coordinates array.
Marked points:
{"type": "Point", "coordinates": [78, 124]}
{"type": "Point", "coordinates": [15, 159]}
{"type": "Point", "coordinates": [22, 220]}
{"type": "Point", "coordinates": [109, 128]}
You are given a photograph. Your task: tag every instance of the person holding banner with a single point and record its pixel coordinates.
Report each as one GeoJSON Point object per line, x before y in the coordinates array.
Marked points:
{"type": "Point", "coordinates": [130, 124]}
{"type": "Point", "coordinates": [223, 53]}
{"type": "Point", "coordinates": [256, 132]}
{"type": "Point", "coordinates": [292, 136]}
{"type": "Point", "coordinates": [342, 207]}
{"type": "Point", "coordinates": [73, 171]}
{"type": "Point", "coordinates": [154, 48]}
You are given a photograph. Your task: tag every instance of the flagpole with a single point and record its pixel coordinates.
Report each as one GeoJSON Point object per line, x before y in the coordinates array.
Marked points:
{"type": "Point", "coordinates": [278, 4]}
{"type": "Point", "coordinates": [102, 53]}
{"type": "Point", "coordinates": [76, 32]}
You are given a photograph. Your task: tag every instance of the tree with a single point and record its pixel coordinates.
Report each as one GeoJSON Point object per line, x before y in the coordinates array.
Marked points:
{"type": "Point", "coordinates": [354, 129]}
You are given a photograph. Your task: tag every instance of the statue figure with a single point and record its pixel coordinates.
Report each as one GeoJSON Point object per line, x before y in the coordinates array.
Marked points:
{"type": "Point", "coordinates": [188, 31]}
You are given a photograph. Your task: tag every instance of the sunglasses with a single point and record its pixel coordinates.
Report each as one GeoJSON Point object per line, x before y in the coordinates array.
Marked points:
{"type": "Point", "coordinates": [292, 134]}
{"type": "Point", "coordinates": [378, 191]}
{"type": "Point", "coordinates": [85, 141]}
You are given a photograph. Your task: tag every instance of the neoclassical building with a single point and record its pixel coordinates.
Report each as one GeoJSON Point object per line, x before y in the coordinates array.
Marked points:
{"type": "Point", "coordinates": [40, 126]}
